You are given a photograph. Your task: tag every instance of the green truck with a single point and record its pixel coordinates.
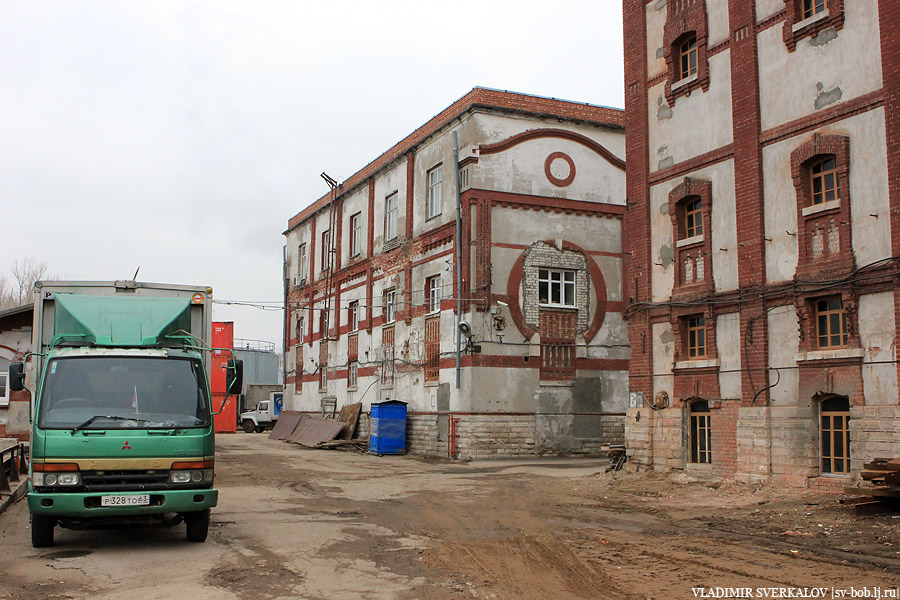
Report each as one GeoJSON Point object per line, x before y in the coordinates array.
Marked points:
{"type": "Point", "coordinates": [122, 424]}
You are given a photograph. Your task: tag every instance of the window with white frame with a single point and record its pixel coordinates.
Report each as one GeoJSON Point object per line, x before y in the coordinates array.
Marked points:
{"type": "Point", "coordinates": [388, 305]}
{"type": "Point", "coordinates": [391, 212]}
{"type": "Point", "coordinates": [353, 315]}
{"type": "Point", "coordinates": [356, 234]}
{"type": "Point", "coordinates": [433, 293]}
{"type": "Point", "coordinates": [303, 262]}
{"type": "Point", "coordinates": [435, 181]}
{"type": "Point", "coordinates": [556, 287]}
{"type": "Point", "coordinates": [323, 377]}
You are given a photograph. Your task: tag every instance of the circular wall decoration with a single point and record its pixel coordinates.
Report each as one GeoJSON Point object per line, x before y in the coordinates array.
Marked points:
{"type": "Point", "coordinates": [558, 163]}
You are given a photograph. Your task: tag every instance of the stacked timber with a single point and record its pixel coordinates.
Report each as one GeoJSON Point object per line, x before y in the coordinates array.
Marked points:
{"type": "Point", "coordinates": [884, 493]}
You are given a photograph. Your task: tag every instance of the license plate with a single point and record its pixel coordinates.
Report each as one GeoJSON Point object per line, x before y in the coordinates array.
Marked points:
{"type": "Point", "coordinates": [139, 500]}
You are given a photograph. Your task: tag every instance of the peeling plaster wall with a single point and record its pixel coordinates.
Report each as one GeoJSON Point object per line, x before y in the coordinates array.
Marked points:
{"type": "Point", "coordinates": [876, 334]}
{"type": "Point", "coordinates": [663, 359]}
{"type": "Point", "coordinates": [728, 343]}
{"type": "Point", "coordinates": [357, 202]}
{"type": "Point", "coordinates": [656, 23]}
{"type": "Point", "coordinates": [493, 127]}
{"type": "Point", "coordinates": [784, 342]}
{"type": "Point", "coordinates": [767, 8]}
{"type": "Point", "coordinates": [717, 22]}
{"type": "Point", "coordinates": [520, 170]}
{"type": "Point", "coordinates": [868, 193]}
{"type": "Point", "coordinates": [699, 123]}
{"type": "Point", "coordinates": [850, 62]}
{"type": "Point", "coordinates": [392, 180]}
{"type": "Point", "coordinates": [724, 231]}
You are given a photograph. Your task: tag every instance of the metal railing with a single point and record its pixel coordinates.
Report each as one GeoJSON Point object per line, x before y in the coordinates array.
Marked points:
{"type": "Point", "coordinates": [255, 345]}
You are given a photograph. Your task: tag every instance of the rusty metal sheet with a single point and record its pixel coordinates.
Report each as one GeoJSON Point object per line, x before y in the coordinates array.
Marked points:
{"type": "Point", "coordinates": [287, 422]}
{"type": "Point", "coordinates": [349, 416]}
{"type": "Point", "coordinates": [313, 430]}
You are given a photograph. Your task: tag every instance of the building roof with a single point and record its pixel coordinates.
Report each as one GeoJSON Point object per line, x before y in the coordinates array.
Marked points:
{"type": "Point", "coordinates": [18, 317]}
{"type": "Point", "coordinates": [477, 98]}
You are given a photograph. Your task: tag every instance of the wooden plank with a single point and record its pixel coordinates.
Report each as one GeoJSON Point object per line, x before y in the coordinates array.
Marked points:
{"type": "Point", "coordinates": [349, 416]}
{"type": "Point", "coordinates": [881, 492]}
{"type": "Point", "coordinates": [850, 500]}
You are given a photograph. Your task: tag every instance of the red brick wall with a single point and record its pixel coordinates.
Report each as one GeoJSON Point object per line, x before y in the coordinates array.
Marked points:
{"type": "Point", "coordinates": [636, 221]}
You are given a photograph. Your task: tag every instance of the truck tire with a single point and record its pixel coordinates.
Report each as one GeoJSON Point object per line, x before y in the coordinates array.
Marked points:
{"type": "Point", "coordinates": [42, 530]}
{"type": "Point", "coordinates": [260, 428]}
{"type": "Point", "coordinates": [197, 525]}
{"type": "Point", "coordinates": [248, 426]}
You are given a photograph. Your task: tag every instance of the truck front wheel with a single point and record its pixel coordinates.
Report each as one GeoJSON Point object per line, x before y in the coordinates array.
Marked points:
{"type": "Point", "coordinates": [42, 530]}
{"type": "Point", "coordinates": [248, 426]}
{"type": "Point", "coordinates": [197, 525]}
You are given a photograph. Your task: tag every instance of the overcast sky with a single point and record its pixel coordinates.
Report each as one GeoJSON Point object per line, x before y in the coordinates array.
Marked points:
{"type": "Point", "coordinates": [181, 136]}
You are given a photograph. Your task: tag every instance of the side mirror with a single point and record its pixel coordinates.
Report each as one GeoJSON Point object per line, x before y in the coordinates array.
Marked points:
{"type": "Point", "coordinates": [234, 377]}
{"type": "Point", "coordinates": [16, 376]}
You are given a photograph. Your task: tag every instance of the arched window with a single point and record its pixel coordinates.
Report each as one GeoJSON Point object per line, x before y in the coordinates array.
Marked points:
{"type": "Point", "coordinates": [701, 451]}
{"type": "Point", "coordinates": [834, 435]}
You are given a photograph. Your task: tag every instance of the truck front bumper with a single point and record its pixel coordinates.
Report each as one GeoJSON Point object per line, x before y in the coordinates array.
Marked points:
{"type": "Point", "coordinates": [78, 505]}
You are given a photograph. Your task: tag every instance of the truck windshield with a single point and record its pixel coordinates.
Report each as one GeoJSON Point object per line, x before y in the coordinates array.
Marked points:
{"type": "Point", "coordinates": [137, 392]}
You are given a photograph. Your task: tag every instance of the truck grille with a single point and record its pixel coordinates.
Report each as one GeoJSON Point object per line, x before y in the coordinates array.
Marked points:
{"type": "Point", "coordinates": [122, 481]}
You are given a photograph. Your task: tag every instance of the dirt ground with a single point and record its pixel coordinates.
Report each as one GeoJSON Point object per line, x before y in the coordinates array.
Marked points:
{"type": "Point", "coordinates": [317, 524]}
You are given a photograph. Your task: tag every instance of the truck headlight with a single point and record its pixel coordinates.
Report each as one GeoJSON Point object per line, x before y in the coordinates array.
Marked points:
{"type": "Point", "coordinates": [69, 479]}
{"type": "Point", "coordinates": [52, 479]}
{"type": "Point", "coordinates": [179, 477]}
{"type": "Point", "coordinates": [53, 474]}
{"type": "Point", "coordinates": [199, 476]}
{"type": "Point", "coordinates": [197, 471]}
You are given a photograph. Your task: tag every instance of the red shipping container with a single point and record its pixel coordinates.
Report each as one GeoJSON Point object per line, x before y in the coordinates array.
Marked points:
{"type": "Point", "coordinates": [222, 337]}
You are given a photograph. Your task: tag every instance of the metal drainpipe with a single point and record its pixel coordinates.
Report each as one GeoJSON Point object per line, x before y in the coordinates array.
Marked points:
{"type": "Point", "coordinates": [285, 277]}
{"type": "Point", "coordinates": [458, 260]}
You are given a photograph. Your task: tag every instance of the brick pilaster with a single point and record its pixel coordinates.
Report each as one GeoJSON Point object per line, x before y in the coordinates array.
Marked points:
{"type": "Point", "coordinates": [889, 26]}
{"type": "Point", "coordinates": [748, 196]}
{"type": "Point", "coordinates": [636, 221]}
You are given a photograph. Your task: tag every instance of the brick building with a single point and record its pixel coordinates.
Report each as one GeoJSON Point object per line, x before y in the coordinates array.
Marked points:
{"type": "Point", "coordinates": [763, 191]}
{"type": "Point", "coordinates": [371, 277]}
{"type": "Point", "coordinates": [15, 343]}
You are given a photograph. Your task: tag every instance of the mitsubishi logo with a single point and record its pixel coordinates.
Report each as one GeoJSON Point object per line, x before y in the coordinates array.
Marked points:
{"type": "Point", "coordinates": [126, 446]}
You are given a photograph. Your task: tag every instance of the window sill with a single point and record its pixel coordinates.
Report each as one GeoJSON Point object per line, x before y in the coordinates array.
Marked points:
{"type": "Point", "coordinates": [836, 354]}
{"type": "Point", "coordinates": [817, 208]}
{"type": "Point", "coordinates": [555, 383]}
{"type": "Point", "coordinates": [683, 82]}
{"type": "Point", "coordinates": [809, 21]}
{"type": "Point", "coordinates": [435, 383]}
{"type": "Point", "coordinates": [699, 467]}
{"type": "Point", "coordinates": [703, 363]}
{"type": "Point", "coordinates": [697, 239]}
{"type": "Point", "coordinates": [388, 324]}
{"type": "Point", "coordinates": [558, 306]}
{"type": "Point", "coordinates": [433, 217]}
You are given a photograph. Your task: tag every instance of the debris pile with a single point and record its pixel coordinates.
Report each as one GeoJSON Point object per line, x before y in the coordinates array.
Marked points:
{"type": "Point", "coordinates": [884, 495]}
{"type": "Point", "coordinates": [320, 432]}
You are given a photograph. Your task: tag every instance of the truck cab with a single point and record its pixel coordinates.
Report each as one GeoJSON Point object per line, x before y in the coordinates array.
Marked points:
{"type": "Point", "coordinates": [121, 412]}
{"type": "Point", "coordinates": [264, 417]}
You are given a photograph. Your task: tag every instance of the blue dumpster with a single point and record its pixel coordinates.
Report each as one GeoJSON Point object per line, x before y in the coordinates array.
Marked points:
{"type": "Point", "coordinates": [387, 428]}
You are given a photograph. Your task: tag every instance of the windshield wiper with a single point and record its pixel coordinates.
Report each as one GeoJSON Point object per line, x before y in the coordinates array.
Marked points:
{"type": "Point", "coordinates": [110, 417]}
